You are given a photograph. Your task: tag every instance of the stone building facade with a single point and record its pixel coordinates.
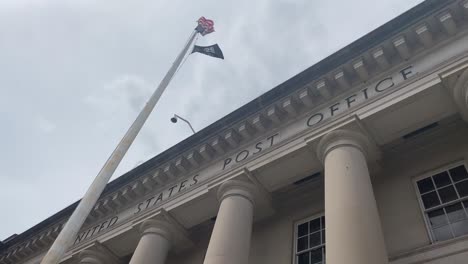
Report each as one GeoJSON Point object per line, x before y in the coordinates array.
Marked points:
{"type": "Point", "coordinates": [368, 149]}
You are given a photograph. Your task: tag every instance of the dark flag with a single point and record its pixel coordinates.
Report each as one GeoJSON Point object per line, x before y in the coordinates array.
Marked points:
{"type": "Point", "coordinates": [213, 51]}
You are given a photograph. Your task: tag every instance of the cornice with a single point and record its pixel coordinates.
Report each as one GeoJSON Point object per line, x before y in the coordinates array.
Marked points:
{"type": "Point", "coordinates": [414, 32]}
{"type": "Point", "coordinates": [32, 246]}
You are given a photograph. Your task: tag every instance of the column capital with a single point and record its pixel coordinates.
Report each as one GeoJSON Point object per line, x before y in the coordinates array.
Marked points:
{"type": "Point", "coordinates": [342, 137]}
{"type": "Point", "coordinates": [460, 93]}
{"type": "Point", "coordinates": [97, 254]}
{"type": "Point", "coordinates": [157, 239]}
{"type": "Point", "coordinates": [237, 188]}
{"type": "Point", "coordinates": [157, 226]}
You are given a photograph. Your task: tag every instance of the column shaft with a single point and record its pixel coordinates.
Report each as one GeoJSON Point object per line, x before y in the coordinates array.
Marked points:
{"type": "Point", "coordinates": [230, 239]}
{"type": "Point", "coordinates": [353, 229]}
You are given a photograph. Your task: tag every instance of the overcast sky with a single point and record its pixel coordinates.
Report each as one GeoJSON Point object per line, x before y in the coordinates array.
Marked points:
{"type": "Point", "coordinates": [74, 75]}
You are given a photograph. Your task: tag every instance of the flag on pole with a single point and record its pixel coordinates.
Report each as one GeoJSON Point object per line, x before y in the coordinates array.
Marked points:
{"type": "Point", "coordinates": [205, 26]}
{"type": "Point", "coordinates": [73, 225]}
{"type": "Point", "coordinates": [213, 51]}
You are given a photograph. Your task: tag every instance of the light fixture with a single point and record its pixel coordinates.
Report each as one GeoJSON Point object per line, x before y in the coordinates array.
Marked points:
{"type": "Point", "coordinates": [176, 117]}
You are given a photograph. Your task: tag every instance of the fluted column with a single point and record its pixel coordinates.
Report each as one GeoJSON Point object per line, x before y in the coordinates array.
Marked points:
{"type": "Point", "coordinates": [154, 244]}
{"type": "Point", "coordinates": [460, 94]}
{"type": "Point", "coordinates": [230, 239]}
{"type": "Point", "coordinates": [353, 229]}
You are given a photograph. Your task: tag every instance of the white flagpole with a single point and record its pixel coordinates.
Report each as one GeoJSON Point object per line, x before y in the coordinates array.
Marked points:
{"type": "Point", "coordinates": [76, 220]}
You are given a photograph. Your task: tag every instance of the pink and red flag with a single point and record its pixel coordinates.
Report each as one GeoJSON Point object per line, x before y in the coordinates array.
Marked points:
{"type": "Point", "coordinates": [205, 26]}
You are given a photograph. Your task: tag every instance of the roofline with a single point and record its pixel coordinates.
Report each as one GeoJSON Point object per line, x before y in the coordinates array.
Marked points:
{"type": "Point", "coordinates": [330, 63]}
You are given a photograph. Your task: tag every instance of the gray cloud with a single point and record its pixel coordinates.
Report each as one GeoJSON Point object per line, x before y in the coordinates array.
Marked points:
{"type": "Point", "coordinates": [75, 74]}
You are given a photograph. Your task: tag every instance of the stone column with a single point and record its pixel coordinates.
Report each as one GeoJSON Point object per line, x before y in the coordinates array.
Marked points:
{"type": "Point", "coordinates": [98, 254]}
{"type": "Point", "coordinates": [230, 239]}
{"type": "Point", "coordinates": [154, 244]}
{"type": "Point", "coordinates": [353, 229]}
{"type": "Point", "coordinates": [460, 94]}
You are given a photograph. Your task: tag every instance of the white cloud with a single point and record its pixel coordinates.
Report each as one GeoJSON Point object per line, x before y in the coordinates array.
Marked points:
{"type": "Point", "coordinates": [44, 125]}
{"type": "Point", "coordinates": [118, 102]}
{"type": "Point", "coordinates": [121, 92]}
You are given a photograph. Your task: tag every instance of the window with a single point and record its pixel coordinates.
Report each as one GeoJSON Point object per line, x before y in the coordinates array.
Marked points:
{"type": "Point", "coordinates": [310, 241]}
{"type": "Point", "coordinates": [444, 198]}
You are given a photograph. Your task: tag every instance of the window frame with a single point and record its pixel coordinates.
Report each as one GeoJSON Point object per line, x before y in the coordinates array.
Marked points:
{"type": "Point", "coordinates": [295, 233]}
{"type": "Point", "coordinates": [427, 174]}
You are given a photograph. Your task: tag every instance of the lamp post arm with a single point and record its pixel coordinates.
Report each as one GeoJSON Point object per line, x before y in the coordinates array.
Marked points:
{"type": "Point", "coordinates": [186, 121]}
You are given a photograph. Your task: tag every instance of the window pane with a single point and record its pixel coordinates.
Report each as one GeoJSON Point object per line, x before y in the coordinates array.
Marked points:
{"type": "Point", "coordinates": [437, 218]}
{"type": "Point", "coordinates": [441, 179]}
{"type": "Point", "coordinates": [302, 243]}
{"type": "Point", "coordinates": [442, 233]}
{"type": "Point", "coordinates": [310, 247]}
{"type": "Point", "coordinates": [462, 188]}
{"type": "Point", "coordinates": [425, 185]}
{"type": "Point", "coordinates": [455, 212]}
{"type": "Point", "coordinates": [314, 239]}
{"type": "Point", "coordinates": [303, 258]}
{"type": "Point", "coordinates": [430, 200]}
{"type": "Point", "coordinates": [460, 228]}
{"type": "Point", "coordinates": [303, 229]}
{"type": "Point", "coordinates": [316, 256]}
{"type": "Point", "coordinates": [459, 173]}
{"type": "Point", "coordinates": [447, 194]}
{"type": "Point", "coordinates": [315, 225]}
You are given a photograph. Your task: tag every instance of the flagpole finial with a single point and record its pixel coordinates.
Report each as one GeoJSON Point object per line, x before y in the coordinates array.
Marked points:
{"type": "Point", "coordinates": [205, 26]}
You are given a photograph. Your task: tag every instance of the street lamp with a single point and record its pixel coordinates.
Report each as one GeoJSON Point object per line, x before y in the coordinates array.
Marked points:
{"type": "Point", "coordinates": [176, 117]}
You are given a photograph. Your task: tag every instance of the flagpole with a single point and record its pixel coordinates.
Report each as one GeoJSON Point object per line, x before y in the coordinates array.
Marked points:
{"type": "Point", "coordinates": [69, 232]}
